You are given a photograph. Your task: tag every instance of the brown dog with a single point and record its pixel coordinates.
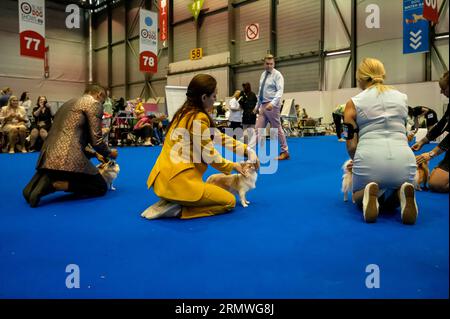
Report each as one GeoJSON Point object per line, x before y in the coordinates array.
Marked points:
{"type": "Point", "coordinates": [237, 183]}
{"type": "Point", "coordinates": [421, 177]}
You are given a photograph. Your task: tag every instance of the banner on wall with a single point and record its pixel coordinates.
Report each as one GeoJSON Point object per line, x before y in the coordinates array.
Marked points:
{"type": "Point", "coordinates": [32, 28]}
{"type": "Point", "coordinates": [430, 10]}
{"type": "Point", "coordinates": [195, 7]}
{"type": "Point", "coordinates": [148, 41]}
{"type": "Point", "coordinates": [415, 28]}
{"type": "Point", "coordinates": [163, 19]}
{"type": "Point", "coordinates": [46, 65]}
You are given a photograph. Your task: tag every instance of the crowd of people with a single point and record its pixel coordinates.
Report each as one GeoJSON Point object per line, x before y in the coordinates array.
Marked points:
{"type": "Point", "coordinates": [23, 126]}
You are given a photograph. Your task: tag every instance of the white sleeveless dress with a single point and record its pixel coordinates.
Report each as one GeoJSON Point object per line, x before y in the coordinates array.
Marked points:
{"type": "Point", "coordinates": [383, 154]}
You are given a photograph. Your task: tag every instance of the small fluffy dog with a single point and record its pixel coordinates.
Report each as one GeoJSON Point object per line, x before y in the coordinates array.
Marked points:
{"type": "Point", "coordinates": [109, 170]}
{"type": "Point", "coordinates": [237, 183]}
{"type": "Point", "coordinates": [421, 177]}
{"type": "Point", "coordinates": [347, 181]}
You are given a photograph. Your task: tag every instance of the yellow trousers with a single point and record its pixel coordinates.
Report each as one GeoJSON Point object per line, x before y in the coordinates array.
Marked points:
{"type": "Point", "coordinates": [215, 200]}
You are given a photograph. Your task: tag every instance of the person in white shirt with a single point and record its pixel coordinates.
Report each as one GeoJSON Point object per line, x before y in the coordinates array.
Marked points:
{"type": "Point", "coordinates": [271, 87]}
{"type": "Point", "coordinates": [235, 118]}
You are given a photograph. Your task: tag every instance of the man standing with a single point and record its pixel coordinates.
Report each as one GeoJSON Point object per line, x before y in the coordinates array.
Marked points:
{"type": "Point", "coordinates": [271, 87]}
{"type": "Point", "coordinates": [64, 164]}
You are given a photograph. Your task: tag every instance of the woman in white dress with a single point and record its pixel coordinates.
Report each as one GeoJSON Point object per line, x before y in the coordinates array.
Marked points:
{"type": "Point", "coordinates": [383, 164]}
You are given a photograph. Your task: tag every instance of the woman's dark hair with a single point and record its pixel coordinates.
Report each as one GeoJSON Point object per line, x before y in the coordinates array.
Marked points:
{"type": "Point", "coordinates": [200, 84]}
{"type": "Point", "coordinates": [410, 111]}
{"type": "Point", "coordinates": [247, 87]}
{"type": "Point", "coordinates": [23, 96]}
{"type": "Point", "coordinates": [39, 97]}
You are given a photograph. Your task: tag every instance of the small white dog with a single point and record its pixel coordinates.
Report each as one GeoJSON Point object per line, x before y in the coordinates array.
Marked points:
{"type": "Point", "coordinates": [347, 183]}
{"type": "Point", "coordinates": [109, 171]}
{"type": "Point", "coordinates": [237, 183]}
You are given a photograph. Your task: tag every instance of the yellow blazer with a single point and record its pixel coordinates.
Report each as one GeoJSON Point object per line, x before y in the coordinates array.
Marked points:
{"type": "Point", "coordinates": [175, 175]}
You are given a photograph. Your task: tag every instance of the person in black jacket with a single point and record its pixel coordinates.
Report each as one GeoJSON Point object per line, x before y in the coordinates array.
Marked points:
{"type": "Point", "coordinates": [415, 113]}
{"type": "Point", "coordinates": [42, 123]}
{"type": "Point", "coordinates": [248, 102]}
{"type": "Point", "coordinates": [439, 176]}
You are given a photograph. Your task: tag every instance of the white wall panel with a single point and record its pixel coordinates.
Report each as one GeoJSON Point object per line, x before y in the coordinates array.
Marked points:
{"type": "Point", "coordinates": [159, 87]}
{"type": "Point", "coordinates": [118, 24]}
{"type": "Point", "coordinates": [334, 70]}
{"type": "Point", "coordinates": [220, 74]}
{"type": "Point", "coordinates": [298, 24]}
{"type": "Point", "coordinates": [180, 10]}
{"type": "Point", "coordinates": [437, 69]}
{"type": "Point", "coordinates": [100, 26]}
{"type": "Point", "coordinates": [300, 77]}
{"type": "Point", "coordinates": [118, 92]}
{"type": "Point", "coordinates": [133, 63]}
{"type": "Point", "coordinates": [101, 67]}
{"type": "Point", "coordinates": [184, 39]}
{"type": "Point", "coordinates": [442, 26]}
{"type": "Point", "coordinates": [254, 12]}
{"type": "Point", "coordinates": [400, 68]}
{"type": "Point", "coordinates": [335, 34]}
{"type": "Point", "coordinates": [133, 10]}
{"type": "Point", "coordinates": [135, 90]}
{"type": "Point", "coordinates": [118, 63]}
{"type": "Point", "coordinates": [214, 34]}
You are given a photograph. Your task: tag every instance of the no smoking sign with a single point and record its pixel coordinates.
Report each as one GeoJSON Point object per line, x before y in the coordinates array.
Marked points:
{"type": "Point", "coordinates": [252, 32]}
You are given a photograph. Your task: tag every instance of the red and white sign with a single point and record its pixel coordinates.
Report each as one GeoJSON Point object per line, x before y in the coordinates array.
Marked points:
{"type": "Point", "coordinates": [148, 41]}
{"type": "Point", "coordinates": [46, 65]}
{"type": "Point", "coordinates": [430, 10]}
{"type": "Point", "coordinates": [252, 32]}
{"type": "Point", "coordinates": [32, 28]}
{"type": "Point", "coordinates": [163, 19]}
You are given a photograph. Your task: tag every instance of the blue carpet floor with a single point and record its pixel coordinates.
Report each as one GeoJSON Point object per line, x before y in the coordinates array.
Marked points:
{"type": "Point", "coordinates": [297, 239]}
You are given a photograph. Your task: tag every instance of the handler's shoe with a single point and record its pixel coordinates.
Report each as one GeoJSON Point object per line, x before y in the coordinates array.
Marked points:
{"type": "Point", "coordinates": [162, 209]}
{"type": "Point", "coordinates": [370, 203]}
{"type": "Point", "coordinates": [30, 186]}
{"type": "Point", "coordinates": [408, 204]}
{"type": "Point", "coordinates": [43, 187]}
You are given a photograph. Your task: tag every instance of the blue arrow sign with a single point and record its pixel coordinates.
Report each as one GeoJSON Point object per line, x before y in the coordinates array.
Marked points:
{"type": "Point", "coordinates": [415, 28]}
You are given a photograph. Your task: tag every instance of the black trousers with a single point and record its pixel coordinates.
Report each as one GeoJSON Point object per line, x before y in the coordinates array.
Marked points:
{"type": "Point", "coordinates": [144, 132]}
{"type": "Point", "coordinates": [337, 119]}
{"type": "Point", "coordinates": [79, 183]}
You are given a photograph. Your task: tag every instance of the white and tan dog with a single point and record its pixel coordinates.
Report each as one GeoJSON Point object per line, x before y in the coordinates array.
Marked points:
{"type": "Point", "coordinates": [109, 171]}
{"type": "Point", "coordinates": [237, 183]}
{"type": "Point", "coordinates": [422, 175]}
{"type": "Point", "coordinates": [347, 183]}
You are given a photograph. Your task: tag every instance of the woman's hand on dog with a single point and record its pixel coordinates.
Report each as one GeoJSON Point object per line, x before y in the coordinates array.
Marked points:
{"type": "Point", "coordinates": [417, 146]}
{"type": "Point", "coordinates": [422, 158]}
{"type": "Point", "coordinates": [238, 168]}
{"type": "Point", "coordinates": [350, 165]}
{"type": "Point", "coordinates": [253, 158]}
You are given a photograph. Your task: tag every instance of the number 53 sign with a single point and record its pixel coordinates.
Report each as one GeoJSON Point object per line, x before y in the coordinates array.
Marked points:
{"type": "Point", "coordinates": [148, 62]}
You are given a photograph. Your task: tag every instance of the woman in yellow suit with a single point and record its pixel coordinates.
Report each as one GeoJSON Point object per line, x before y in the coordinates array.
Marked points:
{"type": "Point", "coordinates": [176, 177]}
